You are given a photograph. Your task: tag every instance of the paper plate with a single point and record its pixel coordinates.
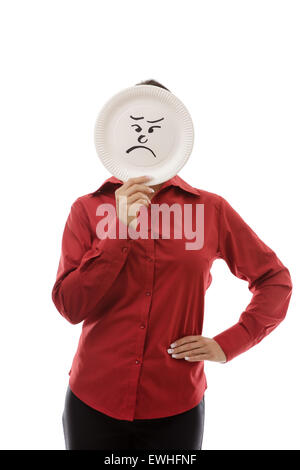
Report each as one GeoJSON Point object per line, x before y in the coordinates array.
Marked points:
{"type": "Point", "coordinates": [144, 130]}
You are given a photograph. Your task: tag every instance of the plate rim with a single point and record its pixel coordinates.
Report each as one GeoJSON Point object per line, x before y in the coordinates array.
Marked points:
{"type": "Point", "coordinates": [138, 90]}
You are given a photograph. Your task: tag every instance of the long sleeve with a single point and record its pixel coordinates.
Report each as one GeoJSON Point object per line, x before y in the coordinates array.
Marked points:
{"type": "Point", "coordinates": [86, 271]}
{"type": "Point", "coordinates": [268, 279]}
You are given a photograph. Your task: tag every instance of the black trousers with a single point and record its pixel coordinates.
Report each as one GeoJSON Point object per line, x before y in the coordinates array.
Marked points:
{"type": "Point", "coordinates": [88, 429]}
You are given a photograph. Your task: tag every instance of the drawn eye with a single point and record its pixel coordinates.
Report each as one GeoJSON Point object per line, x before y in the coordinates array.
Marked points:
{"type": "Point", "coordinates": [150, 130]}
{"type": "Point", "coordinates": [138, 128]}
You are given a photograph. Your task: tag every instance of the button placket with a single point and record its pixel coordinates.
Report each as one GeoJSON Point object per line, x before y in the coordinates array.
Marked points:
{"type": "Point", "coordinates": [143, 323]}
{"type": "Point", "coordinates": [149, 275]}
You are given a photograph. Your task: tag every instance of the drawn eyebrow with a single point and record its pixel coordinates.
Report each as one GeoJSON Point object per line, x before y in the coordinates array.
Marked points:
{"type": "Point", "coordinates": [136, 118]}
{"type": "Point", "coordinates": [157, 120]}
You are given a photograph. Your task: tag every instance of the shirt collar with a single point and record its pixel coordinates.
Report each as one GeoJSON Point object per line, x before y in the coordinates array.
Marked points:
{"type": "Point", "coordinates": [111, 182]}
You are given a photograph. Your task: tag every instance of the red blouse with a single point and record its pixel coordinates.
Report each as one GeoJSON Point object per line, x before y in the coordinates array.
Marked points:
{"type": "Point", "coordinates": [137, 296]}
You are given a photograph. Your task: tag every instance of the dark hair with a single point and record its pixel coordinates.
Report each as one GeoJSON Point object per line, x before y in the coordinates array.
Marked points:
{"type": "Point", "coordinates": [152, 82]}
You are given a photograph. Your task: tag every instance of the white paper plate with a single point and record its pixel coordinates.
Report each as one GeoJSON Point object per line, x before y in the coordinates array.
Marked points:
{"type": "Point", "coordinates": [144, 130]}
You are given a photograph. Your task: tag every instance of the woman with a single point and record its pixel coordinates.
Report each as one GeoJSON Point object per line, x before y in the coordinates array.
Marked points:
{"type": "Point", "coordinates": [137, 379]}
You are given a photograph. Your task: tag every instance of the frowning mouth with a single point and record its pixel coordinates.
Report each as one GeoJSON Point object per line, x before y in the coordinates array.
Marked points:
{"type": "Point", "coordinates": [140, 147]}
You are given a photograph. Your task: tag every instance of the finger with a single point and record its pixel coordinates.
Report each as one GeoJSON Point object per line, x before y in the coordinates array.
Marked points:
{"type": "Point", "coordinates": [137, 188]}
{"type": "Point", "coordinates": [187, 348]}
{"type": "Point", "coordinates": [138, 179]}
{"type": "Point", "coordinates": [200, 357]}
{"type": "Point", "coordinates": [185, 339]}
{"type": "Point", "coordinates": [189, 352]}
{"type": "Point", "coordinates": [136, 196]}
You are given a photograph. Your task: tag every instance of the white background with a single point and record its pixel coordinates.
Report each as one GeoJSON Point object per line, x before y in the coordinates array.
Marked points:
{"type": "Point", "coordinates": [235, 65]}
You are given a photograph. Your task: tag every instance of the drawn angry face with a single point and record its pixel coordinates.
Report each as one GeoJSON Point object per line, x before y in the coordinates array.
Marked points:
{"type": "Point", "coordinates": [144, 129]}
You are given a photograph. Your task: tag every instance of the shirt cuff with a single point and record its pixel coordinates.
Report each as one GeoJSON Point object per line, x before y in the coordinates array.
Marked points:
{"type": "Point", "coordinates": [234, 341]}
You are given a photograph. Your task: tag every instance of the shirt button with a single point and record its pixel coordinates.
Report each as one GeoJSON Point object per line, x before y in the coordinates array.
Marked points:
{"type": "Point", "coordinates": [124, 249]}
{"type": "Point", "coordinates": [148, 293]}
{"type": "Point", "coordinates": [148, 258]}
{"type": "Point", "coordinates": [142, 326]}
{"type": "Point", "coordinates": [137, 361]}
